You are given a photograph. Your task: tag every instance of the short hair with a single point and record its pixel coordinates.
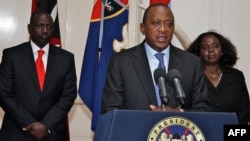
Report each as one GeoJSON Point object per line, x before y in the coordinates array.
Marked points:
{"type": "Point", "coordinates": [39, 12]}
{"type": "Point", "coordinates": [150, 7]}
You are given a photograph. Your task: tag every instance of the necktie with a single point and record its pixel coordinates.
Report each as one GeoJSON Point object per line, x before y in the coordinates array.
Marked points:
{"type": "Point", "coordinates": [159, 56]}
{"type": "Point", "coordinates": [40, 68]}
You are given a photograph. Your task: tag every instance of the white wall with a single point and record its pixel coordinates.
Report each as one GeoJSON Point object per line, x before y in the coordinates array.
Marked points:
{"type": "Point", "coordinates": [229, 17]}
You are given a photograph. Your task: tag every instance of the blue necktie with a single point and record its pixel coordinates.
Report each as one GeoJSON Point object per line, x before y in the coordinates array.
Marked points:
{"type": "Point", "coordinates": [159, 56]}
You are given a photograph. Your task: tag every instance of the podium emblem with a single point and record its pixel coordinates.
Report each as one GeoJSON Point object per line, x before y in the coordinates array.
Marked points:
{"type": "Point", "coordinates": [176, 128]}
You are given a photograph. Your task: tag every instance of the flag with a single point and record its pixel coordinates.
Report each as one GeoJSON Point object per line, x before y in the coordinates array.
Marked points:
{"type": "Point", "coordinates": [167, 2]}
{"type": "Point", "coordinates": [51, 7]}
{"type": "Point", "coordinates": [107, 26]}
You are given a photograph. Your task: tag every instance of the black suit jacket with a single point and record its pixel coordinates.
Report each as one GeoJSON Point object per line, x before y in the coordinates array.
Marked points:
{"type": "Point", "coordinates": [231, 94]}
{"type": "Point", "coordinates": [129, 83]}
{"type": "Point", "coordinates": [22, 100]}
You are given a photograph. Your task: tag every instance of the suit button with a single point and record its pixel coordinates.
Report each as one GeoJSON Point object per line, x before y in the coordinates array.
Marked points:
{"type": "Point", "coordinates": [216, 105]}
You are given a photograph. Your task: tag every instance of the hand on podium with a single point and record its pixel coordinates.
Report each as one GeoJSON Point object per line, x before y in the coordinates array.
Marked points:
{"type": "Point", "coordinates": [165, 108]}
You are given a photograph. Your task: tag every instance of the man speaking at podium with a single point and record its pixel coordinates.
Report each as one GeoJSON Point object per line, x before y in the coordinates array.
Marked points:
{"type": "Point", "coordinates": [130, 82]}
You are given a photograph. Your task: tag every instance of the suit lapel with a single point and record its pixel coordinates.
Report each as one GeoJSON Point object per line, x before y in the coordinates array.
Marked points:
{"type": "Point", "coordinates": [143, 71]}
{"type": "Point", "coordinates": [29, 63]}
{"type": "Point", "coordinates": [175, 61]}
{"type": "Point", "coordinates": [51, 67]}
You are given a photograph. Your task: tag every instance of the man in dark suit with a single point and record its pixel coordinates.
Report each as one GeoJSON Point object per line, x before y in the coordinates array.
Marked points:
{"type": "Point", "coordinates": [34, 113]}
{"type": "Point", "coordinates": [130, 75]}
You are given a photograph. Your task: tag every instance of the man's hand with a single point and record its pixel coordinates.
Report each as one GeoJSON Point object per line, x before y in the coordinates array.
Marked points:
{"type": "Point", "coordinates": [37, 130]}
{"type": "Point", "coordinates": [165, 108]}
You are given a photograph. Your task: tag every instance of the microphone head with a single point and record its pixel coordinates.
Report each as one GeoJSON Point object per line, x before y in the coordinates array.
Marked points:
{"type": "Point", "coordinates": [174, 73]}
{"type": "Point", "coordinates": [159, 72]}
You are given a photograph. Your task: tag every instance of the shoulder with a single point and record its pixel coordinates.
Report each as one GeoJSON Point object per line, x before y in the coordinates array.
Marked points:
{"type": "Point", "coordinates": [133, 51]}
{"type": "Point", "coordinates": [233, 72]}
{"type": "Point", "coordinates": [59, 51]}
{"type": "Point", "coordinates": [20, 46]}
{"type": "Point", "coordinates": [17, 49]}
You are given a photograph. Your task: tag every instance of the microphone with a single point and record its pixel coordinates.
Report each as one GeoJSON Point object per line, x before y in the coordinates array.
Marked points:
{"type": "Point", "coordinates": [174, 78]}
{"type": "Point", "coordinates": [160, 77]}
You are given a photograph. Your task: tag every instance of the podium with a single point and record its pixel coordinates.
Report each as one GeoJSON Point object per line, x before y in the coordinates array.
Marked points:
{"type": "Point", "coordinates": [139, 125]}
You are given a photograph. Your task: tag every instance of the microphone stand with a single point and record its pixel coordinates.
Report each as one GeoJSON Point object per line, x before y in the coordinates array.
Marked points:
{"type": "Point", "coordinates": [164, 102]}
{"type": "Point", "coordinates": [180, 103]}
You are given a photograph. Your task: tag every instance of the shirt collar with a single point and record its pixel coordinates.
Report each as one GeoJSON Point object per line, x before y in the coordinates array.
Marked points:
{"type": "Point", "coordinates": [151, 52]}
{"type": "Point", "coordinates": [35, 48]}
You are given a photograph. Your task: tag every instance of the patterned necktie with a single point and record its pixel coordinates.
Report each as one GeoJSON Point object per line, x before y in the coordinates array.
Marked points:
{"type": "Point", "coordinates": [40, 68]}
{"type": "Point", "coordinates": [159, 56]}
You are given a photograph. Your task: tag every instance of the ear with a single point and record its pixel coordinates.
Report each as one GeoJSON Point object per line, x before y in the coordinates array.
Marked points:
{"type": "Point", "coordinates": [142, 28]}
{"type": "Point", "coordinates": [29, 28]}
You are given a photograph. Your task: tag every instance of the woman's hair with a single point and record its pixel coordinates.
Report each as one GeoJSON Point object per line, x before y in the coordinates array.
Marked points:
{"type": "Point", "coordinates": [229, 57]}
